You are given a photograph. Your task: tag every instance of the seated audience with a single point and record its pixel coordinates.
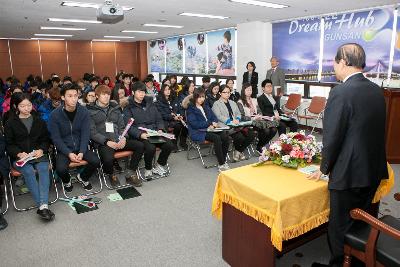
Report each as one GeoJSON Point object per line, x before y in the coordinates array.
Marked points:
{"type": "Point", "coordinates": [125, 84]}
{"type": "Point", "coordinates": [200, 118]}
{"type": "Point", "coordinates": [169, 108]}
{"type": "Point", "coordinates": [87, 98]}
{"type": "Point", "coordinates": [270, 107]}
{"type": "Point", "coordinates": [249, 109]}
{"type": "Point", "coordinates": [228, 112]}
{"type": "Point", "coordinates": [50, 104]}
{"type": "Point", "coordinates": [4, 170]}
{"type": "Point", "coordinates": [145, 114]}
{"type": "Point", "coordinates": [106, 127]}
{"type": "Point", "coordinates": [70, 131]}
{"type": "Point", "coordinates": [107, 81]}
{"type": "Point", "coordinates": [186, 95]}
{"type": "Point", "coordinates": [150, 90]}
{"type": "Point", "coordinates": [206, 82]}
{"type": "Point", "coordinates": [93, 82]}
{"type": "Point", "coordinates": [26, 133]}
{"type": "Point", "coordinates": [212, 94]}
{"type": "Point", "coordinates": [13, 89]}
{"type": "Point", "coordinates": [235, 96]}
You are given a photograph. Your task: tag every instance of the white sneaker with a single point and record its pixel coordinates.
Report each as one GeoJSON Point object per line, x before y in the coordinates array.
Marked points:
{"type": "Point", "coordinates": [226, 166]}
{"type": "Point", "coordinates": [223, 167]}
{"type": "Point", "coordinates": [148, 173]}
{"type": "Point", "coordinates": [236, 155]}
{"type": "Point", "coordinates": [161, 168]}
{"type": "Point", "coordinates": [242, 156]}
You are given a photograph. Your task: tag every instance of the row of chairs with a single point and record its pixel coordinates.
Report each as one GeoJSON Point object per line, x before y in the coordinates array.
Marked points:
{"type": "Point", "coordinates": [14, 174]}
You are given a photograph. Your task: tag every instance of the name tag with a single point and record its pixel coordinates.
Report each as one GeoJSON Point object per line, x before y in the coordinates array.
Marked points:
{"type": "Point", "coordinates": [109, 127]}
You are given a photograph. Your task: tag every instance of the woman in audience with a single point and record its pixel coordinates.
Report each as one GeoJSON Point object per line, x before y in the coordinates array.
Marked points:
{"type": "Point", "coordinates": [107, 81]}
{"type": "Point", "coordinates": [106, 127]}
{"type": "Point", "coordinates": [201, 120]}
{"type": "Point", "coordinates": [15, 88]}
{"type": "Point", "coordinates": [88, 98]}
{"type": "Point", "coordinates": [187, 94]}
{"type": "Point", "coordinates": [27, 133]}
{"type": "Point", "coordinates": [150, 89]}
{"type": "Point", "coordinates": [235, 96]}
{"type": "Point", "coordinates": [126, 84]}
{"type": "Point", "coordinates": [170, 111]}
{"type": "Point", "coordinates": [228, 112]}
{"type": "Point", "coordinates": [212, 94]}
{"type": "Point", "coordinates": [251, 77]}
{"type": "Point", "coordinates": [50, 104]}
{"type": "Point", "coordinates": [249, 109]}
{"type": "Point", "coordinates": [174, 85]}
{"type": "Point", "coordinates": [145, 114]}
{"type": "Point", "coordinates": [270, 107]}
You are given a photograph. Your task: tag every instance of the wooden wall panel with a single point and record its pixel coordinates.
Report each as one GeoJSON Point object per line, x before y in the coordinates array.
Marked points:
{"type": "Point", "coordinates": [54, 58]}
{"type": "Point", "coordinates": [5, 66]}
{"type": "Point", "coordinates": [108, 57]}
{"type": "Point", "coordinates": [25, 58]}
{"type": "Point", "coordinates": [127, 57]}
{"type": "Point", "coordinates": [79, 58]}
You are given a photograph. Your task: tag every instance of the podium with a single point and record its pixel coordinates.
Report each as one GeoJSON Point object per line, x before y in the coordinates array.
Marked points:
{"type": "Point", "coordinates": [392, 98]}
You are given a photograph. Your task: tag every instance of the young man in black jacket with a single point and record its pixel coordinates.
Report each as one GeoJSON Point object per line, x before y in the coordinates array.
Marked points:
{"type": "Point", "coordinates": [106, 127]}
{"type": "Point", "coordinates": [70, 131]}
{"type": "Point", "coordinates": [142, 109]}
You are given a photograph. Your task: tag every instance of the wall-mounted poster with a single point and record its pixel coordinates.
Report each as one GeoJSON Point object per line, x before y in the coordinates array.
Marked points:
{"type": "Point", "coordinates": [221, 52]}
{"type": "Point", "coordinates": [157, 55]}
{"type": "Point", "coordinates": [371, 29]}
{"type": "Point", "coordinates": [296, 45]}
{"type": "Point", "coordinates": [195, 54]}
{"type": "Point", "coordinates": [396, 57]}
{"type": "Point", "coordinates": [174, 56]}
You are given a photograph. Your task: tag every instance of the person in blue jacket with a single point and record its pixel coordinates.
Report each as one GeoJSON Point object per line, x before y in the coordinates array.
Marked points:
{"type": "Point", "coordinates": [168, 106]}
{"type": "Point", "coordinates": [70, 131]}
{"type": "Point", "coordinates": [50, 104]}
{"type": "Point", "coordinates": [201, 121]}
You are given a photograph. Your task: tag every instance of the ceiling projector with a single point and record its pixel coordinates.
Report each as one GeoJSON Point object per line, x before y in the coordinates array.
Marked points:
{"type": "Point", "coordinates": [110, 13]}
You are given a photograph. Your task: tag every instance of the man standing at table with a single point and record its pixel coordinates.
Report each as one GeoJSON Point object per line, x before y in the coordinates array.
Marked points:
{"type": "Point", "coordinates": [277, 76]}
{"type": "Point", "coordinates": [353, 151]}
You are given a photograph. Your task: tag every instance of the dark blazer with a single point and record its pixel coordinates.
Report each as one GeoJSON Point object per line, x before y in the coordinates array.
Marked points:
{"type": "Point", "coordinates": [19, 140]}
{"type": "Point", "coordinates": [266, 107]}
{"type": "Point", "coordinates": [354, 135]}
{"type": "Point", "coordinates": [253, 82]}
{"type": "Point", "coordinates": [197, 124]}
{"type": "Point", "coordinates": [70, 137]}
{"type": "Point", "coordinates": [166, 108]}
{"type": "Point", "coordinates": [147, 116]}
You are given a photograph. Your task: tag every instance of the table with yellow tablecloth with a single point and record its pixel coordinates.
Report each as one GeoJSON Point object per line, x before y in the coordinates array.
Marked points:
{"type": "Point", "coordinates": [281, 198]}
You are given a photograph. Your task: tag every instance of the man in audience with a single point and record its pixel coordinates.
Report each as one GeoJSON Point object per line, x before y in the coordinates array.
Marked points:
{"type": "Point", "coordinates": [353, 151]}
{"type": "Point", "coordinates": [206, 82]}
{"type": "Point", "coordinates": [277, 76]}
{"type": "Point", "coordinates": [70, 132]}
{"type": "Point", "coordinates": [93, 82]}
{"type": "Point", "coordinates": [106, 127]}
{"type": "Point", "coordinates": [55, 82]}
{"type": "Point", "coordinates": [142, 109]}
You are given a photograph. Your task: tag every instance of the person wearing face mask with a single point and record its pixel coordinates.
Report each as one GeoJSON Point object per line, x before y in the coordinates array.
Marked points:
{"type": "Point", "coordinates": [251, 77]}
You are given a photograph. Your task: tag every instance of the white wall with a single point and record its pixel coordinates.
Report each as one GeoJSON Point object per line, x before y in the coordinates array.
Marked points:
{"type": "Point", "coordinates": [254, 43]}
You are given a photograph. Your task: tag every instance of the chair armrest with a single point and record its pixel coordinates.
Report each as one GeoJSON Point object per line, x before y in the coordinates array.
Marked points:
{"type": "Point", "coordinates": [359, 214]}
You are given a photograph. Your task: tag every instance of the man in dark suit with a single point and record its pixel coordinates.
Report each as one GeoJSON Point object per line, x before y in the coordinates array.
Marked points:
{"type": "Point", "coordinates": [353, 144]}
{"type": "Point", "coordinates": [277, 76]}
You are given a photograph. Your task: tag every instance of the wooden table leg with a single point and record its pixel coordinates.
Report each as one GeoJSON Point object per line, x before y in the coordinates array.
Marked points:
{"type": "Point", "coordinates": [245, 241]}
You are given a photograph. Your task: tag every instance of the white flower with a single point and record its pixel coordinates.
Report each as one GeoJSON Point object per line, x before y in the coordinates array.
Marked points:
{"type": "Point", "coordinates": [286, 158]}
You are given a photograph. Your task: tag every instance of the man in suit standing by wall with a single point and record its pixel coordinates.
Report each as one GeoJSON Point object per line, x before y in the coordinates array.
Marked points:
{"type": "Point", "coordinates": [277, 76]}
{"type": "Point", "coordinates": [353, 145]}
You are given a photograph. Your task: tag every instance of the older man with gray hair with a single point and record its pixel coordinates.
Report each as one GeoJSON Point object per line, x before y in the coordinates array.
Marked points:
{"type": "Point", "coordinates": [277, 76]}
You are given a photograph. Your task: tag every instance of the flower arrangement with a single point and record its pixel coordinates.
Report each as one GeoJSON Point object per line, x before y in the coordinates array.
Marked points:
{"type": "Point", "coordinates": [292, 150]}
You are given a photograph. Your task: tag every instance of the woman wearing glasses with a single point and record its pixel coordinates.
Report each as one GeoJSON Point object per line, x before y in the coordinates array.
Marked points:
{"type": "Point", "coordinates": [228, 113]}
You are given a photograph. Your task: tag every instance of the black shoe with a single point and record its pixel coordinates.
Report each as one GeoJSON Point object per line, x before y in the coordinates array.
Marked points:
{"type": "Point", "coordinates": [3, 222]}
{"type": "Point", "coordinates": [68, 187]}
{"type": "Point", "coordinates": [86, 184]}
{"type": "Point", "coordinates": [46, 214]}
{"type": "Point", "coordinates": [117, 168]}
{"type": "Point", "coordinates": [184, 147]}
{"type": "Point", "coordinates": [316, 264]}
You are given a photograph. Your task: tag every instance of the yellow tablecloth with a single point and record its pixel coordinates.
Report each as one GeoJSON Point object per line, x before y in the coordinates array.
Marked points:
{"type": "Point", "coordinates": [280, 198]}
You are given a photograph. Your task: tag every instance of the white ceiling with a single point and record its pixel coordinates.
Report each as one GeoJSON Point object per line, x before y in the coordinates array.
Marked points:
{"type": "Point", "coordinates": [23, 18]}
